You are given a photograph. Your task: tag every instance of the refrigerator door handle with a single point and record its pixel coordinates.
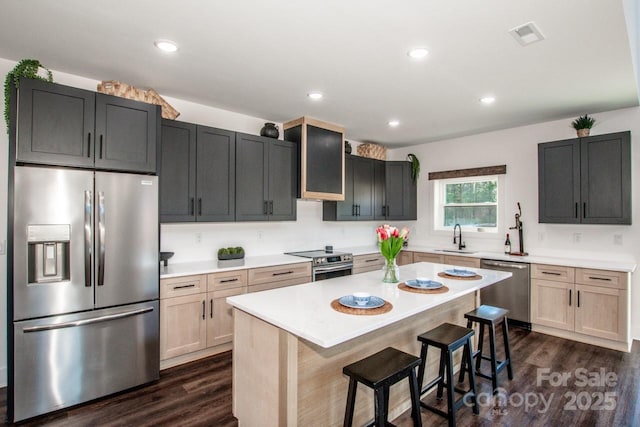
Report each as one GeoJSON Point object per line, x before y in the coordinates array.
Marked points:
{"type": "Point", "coordinates": [84, 322]}
{"type": "Point", "coordinates": [88, 214]}
{"type": "Point", "coordinates": [101, 236]}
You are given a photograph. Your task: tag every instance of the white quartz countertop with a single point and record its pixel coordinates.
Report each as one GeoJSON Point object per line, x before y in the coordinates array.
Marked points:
{"type": "Point", "coordinates": [598, 264]}
{"type": "Point", "coordinates": [205, 267]}
{"type": "Point", "coordinates": [305, 310]}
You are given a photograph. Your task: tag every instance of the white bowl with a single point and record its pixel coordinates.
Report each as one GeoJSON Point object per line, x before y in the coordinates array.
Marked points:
{"type": "Point", "coordinates": [361, 298]}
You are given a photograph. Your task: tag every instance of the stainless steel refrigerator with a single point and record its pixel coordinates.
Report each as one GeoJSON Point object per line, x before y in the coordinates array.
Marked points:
{"type": "Point", "coordinates": [84, 297]}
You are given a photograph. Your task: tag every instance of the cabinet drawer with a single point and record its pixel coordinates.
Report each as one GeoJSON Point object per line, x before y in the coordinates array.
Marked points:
{"type": "Point", "coordinates": [606, 278]}
{"type": "Point", "coordinates": [556, 273]}
{"type": "Point", "coordinates": [427, 257]}
{"type": "Point", "coordinates": [364, 263]}
{"type": "Point", "coordinates": [180, 286]}
{"type": "Point", "coordinates": [226, 280]}
{"type": "Point", "coordinates": [280, 273]}
{"type": "Point", "coordinates": [463, 261]}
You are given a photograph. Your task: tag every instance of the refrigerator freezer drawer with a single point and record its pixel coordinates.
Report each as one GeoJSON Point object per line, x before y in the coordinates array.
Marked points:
{"type": "Point", "coordinates": [65, 360]}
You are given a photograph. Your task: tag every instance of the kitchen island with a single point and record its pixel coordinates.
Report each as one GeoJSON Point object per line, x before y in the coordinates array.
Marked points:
{"type": "Point", "coordinates": [290, 345]}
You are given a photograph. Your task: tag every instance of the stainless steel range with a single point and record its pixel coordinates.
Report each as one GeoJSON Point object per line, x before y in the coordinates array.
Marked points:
{"type": "Point", "coordinates": [328, 264]}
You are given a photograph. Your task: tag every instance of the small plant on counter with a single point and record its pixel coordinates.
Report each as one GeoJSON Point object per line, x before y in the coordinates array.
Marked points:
{"type": "Point", "coordinates": [583, 124]}
{"type": "Point", "coordinates": [415, 166]}
{"type": "Point", "coordinates": [231, 253]}
{"type": "Point", "coordinates": [26, 68]}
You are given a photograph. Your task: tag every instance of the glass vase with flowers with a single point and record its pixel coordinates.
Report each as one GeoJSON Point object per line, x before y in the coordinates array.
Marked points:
{"type": "Point", "coordinates": [390, 241]}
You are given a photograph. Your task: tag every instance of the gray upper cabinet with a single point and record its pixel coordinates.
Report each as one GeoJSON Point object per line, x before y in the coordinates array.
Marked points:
{"type": "Point", "coordinates": [55, 124]}
{"type": "Point", "coordinates": [177, 171]}
{"type": "Point", "coordinates": [215, 174]}
{"type": "Point", "coordinates": [266, 171]}
{"type": "Point", "coordinates": [61, 125]}
{"type": "Point", "coordinates": [585, 180]}
{"type": "Point", "coordinates": [126, 134]}
{"type": "Point", "coordinates": [197, 173]}
{"type": "Point", "coordinates": [401, 191]}
{"type": "Point", "coordinates": [358, 204]}
{"type": "Point", "coordinates": [374, 190]}
{"type": "Point", "coordinates": [379, 193]}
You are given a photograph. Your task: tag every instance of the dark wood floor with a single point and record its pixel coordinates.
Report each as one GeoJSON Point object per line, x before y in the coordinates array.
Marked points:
{"type": "Point", "coordinates": [199, 393]}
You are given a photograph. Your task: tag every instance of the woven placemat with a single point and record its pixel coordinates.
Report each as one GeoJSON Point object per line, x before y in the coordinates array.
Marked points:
{"type": "Point", "coordinates": [387, 307]}
{"type": "Point", "coordinates": [403, 287]}
{"type": "Point", "coordinates": [446, 276]}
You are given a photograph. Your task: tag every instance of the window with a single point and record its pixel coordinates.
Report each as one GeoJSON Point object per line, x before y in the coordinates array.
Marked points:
{"type": "Point", "coordinates": [471, 202]}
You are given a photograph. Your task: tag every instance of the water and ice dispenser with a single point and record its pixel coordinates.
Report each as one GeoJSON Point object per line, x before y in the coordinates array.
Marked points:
{"type": "Point", "coordinates": [48, 253]}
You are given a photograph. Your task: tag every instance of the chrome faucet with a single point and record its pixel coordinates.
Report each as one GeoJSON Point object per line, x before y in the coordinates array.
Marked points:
{"type": "Point", "coordinates": [460, 243]}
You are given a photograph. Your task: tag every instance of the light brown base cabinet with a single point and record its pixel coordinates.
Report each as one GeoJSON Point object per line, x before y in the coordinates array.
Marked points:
{"type": "Point", "coordinates": [404, 258]}
{"type": "Point", "coordinates": [195, 319]}
{"type": "Point", "coordinates": [582, 304]}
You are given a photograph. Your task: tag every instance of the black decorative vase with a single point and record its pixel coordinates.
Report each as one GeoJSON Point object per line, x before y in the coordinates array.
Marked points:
{"type": "Point", "coordinates": [347, 147]}
{"type": "Point", "coordinates": [270, 130]}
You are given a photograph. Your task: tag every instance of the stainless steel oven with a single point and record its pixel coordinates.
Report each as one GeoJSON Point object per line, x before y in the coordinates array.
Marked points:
{"type": "Point", "coordinates": [328, 264]}
{"type": "Point", "coordinates": [330, 271]}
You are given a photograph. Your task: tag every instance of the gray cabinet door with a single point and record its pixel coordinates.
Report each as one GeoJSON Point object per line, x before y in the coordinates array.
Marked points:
{"type": "Point", "coordinates": [55, 124]}
{"type": "Point", "coordinates": [177, 172]}
{"type": "Point", "coordinates": [559, 182]}
{"type": "Point", "coordinates": [363, 176]}
{"type": "Point", "coordinates": [346, 210]}
{"type": "Point", "coordinates": [606, 179]}
{"type": "Point", "coordinates": [127, 134]}
{"type": "Point", "coordinates": [215, 175]}
{"type": "Point", "coordinates": [252, 178]}
{"type": "Point", "coordinates": [379, 193]}
{"type": "Point", "coordinates": [283, 175]}
{"type": "Point", "coordinates": [401, 192]}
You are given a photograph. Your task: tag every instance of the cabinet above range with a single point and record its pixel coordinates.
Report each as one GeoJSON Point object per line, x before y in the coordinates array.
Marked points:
{"type": "Point", "coordinates": [67, 126]}
{"type": "Point", "coordinates": [320, 157]}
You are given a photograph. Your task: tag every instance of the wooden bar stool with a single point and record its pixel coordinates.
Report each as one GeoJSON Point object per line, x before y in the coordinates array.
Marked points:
{"type": "Point", "coordinates": [448, 338]}
{"type": "Point", "coordinates": [491, 317]}
{"type": "Point", "coordinates": [380, 371]}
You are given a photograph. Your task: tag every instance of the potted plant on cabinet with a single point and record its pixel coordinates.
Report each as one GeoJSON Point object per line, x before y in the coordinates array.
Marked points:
{"type": "Point", "coordinates": [26, 68]}
{"type": "Point", "coordinates": [583, 125]}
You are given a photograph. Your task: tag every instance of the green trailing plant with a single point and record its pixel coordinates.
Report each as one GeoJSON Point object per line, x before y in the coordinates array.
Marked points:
{"type": "Point", "coordinates": [415, 166]}
{"type": "Point", "coordinates": [26, 68]}
{"type": "Point", "coordinates": [583, 122]}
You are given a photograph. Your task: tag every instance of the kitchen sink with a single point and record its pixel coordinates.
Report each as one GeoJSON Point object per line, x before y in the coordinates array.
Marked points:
{"type": "Point", "coordinates": [455, 251]}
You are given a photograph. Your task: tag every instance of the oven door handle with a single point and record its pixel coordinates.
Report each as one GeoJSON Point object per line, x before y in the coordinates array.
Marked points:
{"type": "Point", "coordinates": [328, 269]}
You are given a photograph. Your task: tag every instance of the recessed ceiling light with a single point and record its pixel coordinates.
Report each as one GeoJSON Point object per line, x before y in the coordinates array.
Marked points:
{"type": "Point", "coordinates": [315, 95]}
{"type": "Point", "coordinates": [393, 123]}
{"type": "Point", "coordinates": [488, 100]}
{"type": "Point", "coordinates": [166, 45]}
{"type": "Point", "coordinates": [418, 53]}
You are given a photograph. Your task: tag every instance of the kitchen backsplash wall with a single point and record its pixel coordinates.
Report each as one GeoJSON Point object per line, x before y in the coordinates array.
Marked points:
{"type": "Point", "coordinates": [199, 242]}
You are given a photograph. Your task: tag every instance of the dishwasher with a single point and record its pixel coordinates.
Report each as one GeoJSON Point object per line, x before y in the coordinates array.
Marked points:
{"type": "Point", "coordinates": [513, 294]}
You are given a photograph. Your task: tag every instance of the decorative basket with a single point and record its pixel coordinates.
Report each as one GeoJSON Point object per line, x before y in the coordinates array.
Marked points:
{"type": "Point", "coordinates": [123, 90]}
{"type": "Point", "coordinates": [372, 151]}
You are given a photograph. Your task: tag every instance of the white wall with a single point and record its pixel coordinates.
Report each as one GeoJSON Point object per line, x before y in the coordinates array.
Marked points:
{"type": "Point", "coordinates": [517, 148]}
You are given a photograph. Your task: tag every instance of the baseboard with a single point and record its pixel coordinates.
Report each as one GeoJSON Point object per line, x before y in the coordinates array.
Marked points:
{"type": "Point", "coordinates": [575, 336]}
{"type": "Point", "coordinates": [191, 357]}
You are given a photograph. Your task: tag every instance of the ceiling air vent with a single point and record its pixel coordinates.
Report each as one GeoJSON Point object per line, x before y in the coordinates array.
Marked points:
{"type": "Point", "coordinates": [526, 34]}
